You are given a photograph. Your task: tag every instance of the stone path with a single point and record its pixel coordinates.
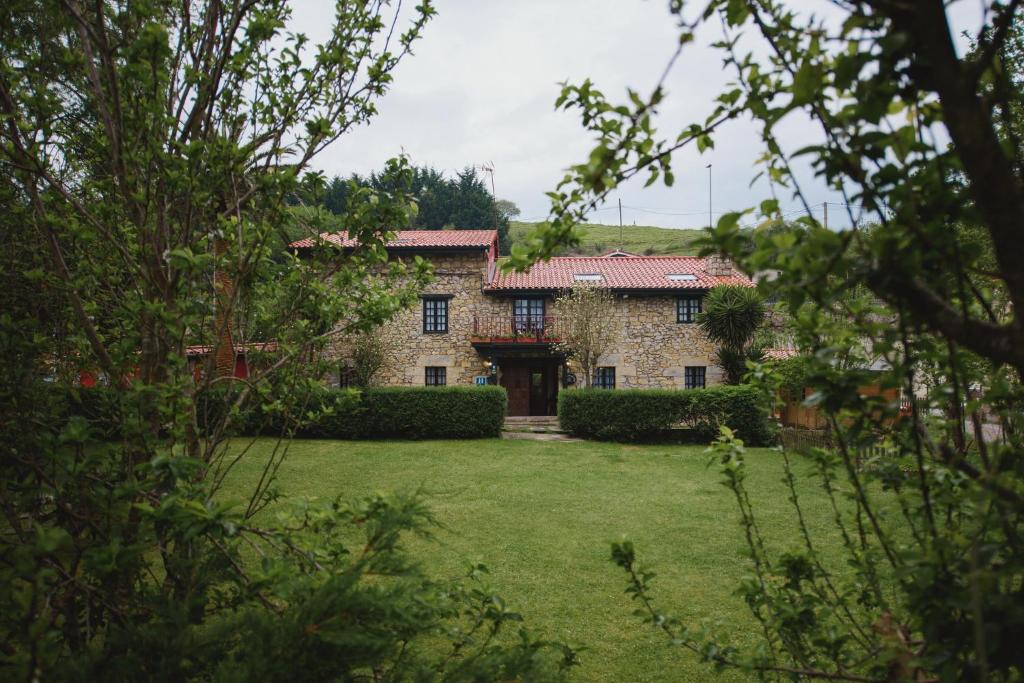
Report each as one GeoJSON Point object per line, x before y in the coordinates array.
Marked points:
{"type": "Point", "coordinates": [534, 429]}
{"type": "Point", "coordinates": [538, 436]}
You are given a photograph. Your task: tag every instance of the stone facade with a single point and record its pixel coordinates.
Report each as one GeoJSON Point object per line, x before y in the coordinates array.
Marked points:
{"type": "Point", "coordinates": [651, 350]}
{"type": "Point", "coordinates": [461, 276]}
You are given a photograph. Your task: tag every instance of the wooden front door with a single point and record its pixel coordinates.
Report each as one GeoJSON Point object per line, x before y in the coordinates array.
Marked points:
{"type": "Point", "coordinates": [532, 386]}
{"type": "Point", "coordinates": [515, 377]}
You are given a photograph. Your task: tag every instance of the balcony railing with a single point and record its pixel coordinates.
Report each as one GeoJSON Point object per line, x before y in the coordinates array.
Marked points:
{"type": "Point", "coordinates": [515, 329]}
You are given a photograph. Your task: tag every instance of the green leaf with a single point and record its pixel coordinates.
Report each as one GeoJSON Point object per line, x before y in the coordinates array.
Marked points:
{"type": "Point", "coordinates": [806, 83]}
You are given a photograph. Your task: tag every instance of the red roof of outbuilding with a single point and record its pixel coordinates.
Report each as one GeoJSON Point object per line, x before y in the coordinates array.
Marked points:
{"type": "Point", "coordinates": [636, 272]}
{"type": "Point", "coordinates": [413, 239]}
{"type": "Point", "coordinates": [780, 352]}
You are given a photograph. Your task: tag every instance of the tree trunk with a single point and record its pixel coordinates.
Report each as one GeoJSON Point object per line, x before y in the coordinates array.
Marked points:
{"type": "Point", "coordinates": [224, 291]}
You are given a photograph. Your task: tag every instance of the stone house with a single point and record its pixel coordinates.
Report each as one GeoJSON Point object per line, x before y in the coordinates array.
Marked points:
{"type": "Point", "coordinates": [476, 324]}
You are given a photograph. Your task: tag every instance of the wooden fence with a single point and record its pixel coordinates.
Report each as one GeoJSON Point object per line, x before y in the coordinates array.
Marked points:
{"type": "Point", "coordinates": [800, 440]}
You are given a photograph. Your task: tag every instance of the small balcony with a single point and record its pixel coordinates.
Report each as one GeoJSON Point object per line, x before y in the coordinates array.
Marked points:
{"type": "Point", "coordinates": [515, 329]}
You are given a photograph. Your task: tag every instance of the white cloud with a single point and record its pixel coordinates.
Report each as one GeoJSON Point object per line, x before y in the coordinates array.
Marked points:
{"type": "Point", "coordinates": [482, 83]}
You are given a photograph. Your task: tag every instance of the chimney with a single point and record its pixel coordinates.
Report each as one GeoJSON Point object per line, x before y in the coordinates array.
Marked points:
{"type": "Point", "coordinates": [718, 266]}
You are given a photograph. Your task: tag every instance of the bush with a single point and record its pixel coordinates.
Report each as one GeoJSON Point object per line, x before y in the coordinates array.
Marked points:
{"type": "Point", "coordinates": [372, 413]}
{"type": "Point", "coordinates": [396, 413]}
{"type": "Point", "coordinates": [660, 414]}
{"type": "Point", "coordinates": [101, 407]}
{"type": "Point", "coordinates": [430, 412]}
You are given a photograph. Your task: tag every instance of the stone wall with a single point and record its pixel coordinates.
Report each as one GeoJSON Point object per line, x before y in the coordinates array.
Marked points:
{"type": "Point", "coordinates": [651, 349]}
{"type": "Point", "coordinates": [462, 277]}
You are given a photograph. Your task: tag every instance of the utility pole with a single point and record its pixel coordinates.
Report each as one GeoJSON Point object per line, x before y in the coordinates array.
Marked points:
{"type": "Point", "coordinates": [620, 223]}
{"type": "Point", "coordinates": [710, 221]}
{"type": "Point", "coordinates": [825, 204]}
{"type": "Point", "coordinates": [489, 169]}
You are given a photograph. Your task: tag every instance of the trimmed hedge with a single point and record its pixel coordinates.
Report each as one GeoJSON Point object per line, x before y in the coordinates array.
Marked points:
{"type": "Point", "coordinates": [665, 414]}
{"type": "Point", "coordinates": [410, 413]}
{"type": "Point", "coordinates": [373, 413]}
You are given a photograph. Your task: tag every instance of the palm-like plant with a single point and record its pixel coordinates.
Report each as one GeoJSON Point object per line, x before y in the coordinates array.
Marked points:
{"type": "Point", "coordinates": [731, 317]}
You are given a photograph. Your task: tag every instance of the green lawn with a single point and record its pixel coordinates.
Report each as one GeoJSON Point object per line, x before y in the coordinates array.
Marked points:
{"type": "Point", "coordinates": [638, 239]}
{"type": "Point", "coordinates": [541, 516]}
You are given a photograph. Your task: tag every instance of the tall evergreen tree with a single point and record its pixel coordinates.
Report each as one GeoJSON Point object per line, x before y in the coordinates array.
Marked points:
{"type": "Point", "coordinates": [462, 202]}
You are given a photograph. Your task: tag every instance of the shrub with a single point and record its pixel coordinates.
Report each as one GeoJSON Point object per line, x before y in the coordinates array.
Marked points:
{"type": "Point", "coordinates": [658, 414]}
{"type": "Point", "coordinates": [429, 412]}
{"type": "Point", "coordinates": [372, 413]}
{"type": "Point", "coordinates": [101, 407]}
{"type": "Point", "coordinates": [731, 317]}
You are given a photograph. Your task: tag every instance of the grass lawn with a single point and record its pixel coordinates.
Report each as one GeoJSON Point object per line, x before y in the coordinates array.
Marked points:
{"type": "Point", "coordinates": [541, 516]}
{"type": "Point", "coordinates": [638, 239]}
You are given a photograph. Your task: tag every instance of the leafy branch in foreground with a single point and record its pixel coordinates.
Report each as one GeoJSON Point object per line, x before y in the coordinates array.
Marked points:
{"type": "Point", "coordinates": [149, 154]}
{"type": "Point", "coordinates": [918, 299]}
{"type": "Point", "coordinates": [815, 625]}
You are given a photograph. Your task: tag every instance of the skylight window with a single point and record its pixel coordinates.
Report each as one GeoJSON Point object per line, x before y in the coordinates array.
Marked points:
{"type": "Point", "coordinates": [587, 277]}
{"type": "Point", "coordinates": [681, 277]}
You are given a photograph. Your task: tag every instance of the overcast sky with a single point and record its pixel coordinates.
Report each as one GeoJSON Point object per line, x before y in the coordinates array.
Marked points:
{"type": "Point", "coordinates": [481, 87]}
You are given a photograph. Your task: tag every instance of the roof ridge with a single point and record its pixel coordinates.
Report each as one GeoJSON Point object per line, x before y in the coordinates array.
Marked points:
{"type": "Point", "coordinates": [335, 232]}
{"type": "Point", "coordinates": [410, 239]}
{"type": "Point", "coordinates": [623, 260]}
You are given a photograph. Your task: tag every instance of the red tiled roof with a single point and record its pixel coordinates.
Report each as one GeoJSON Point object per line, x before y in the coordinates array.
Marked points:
{"type": "Point", "coordinates": [414, 239]}
{"type": "Point", "coordinates": [636, 272]}
{"type": "Point", "coordinates": [780, 353]}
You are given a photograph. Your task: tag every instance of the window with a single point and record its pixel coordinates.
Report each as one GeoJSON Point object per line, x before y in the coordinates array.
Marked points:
{"type": "Point", "coordinates": [587, 277]}
{"type": "Point", "coordinates": [346, 377]}
{"type": "Point", "coordinates": [435, 314]}
{"type": "Point", "coordinates": [681, 277]}
{"type": "Point", "coordinates": [436, 377]}
{"type": "Point", "coordinates": [528, 315]}
{"type": "Point", "coordinates": [604, 378]}
{"type": "Point", "coordinates": [694, 377]}
{"type": "Point", "coordinates": [687, 308]}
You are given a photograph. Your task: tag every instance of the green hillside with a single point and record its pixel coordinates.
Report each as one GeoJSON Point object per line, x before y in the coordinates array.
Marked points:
{"type": "Point", "coordinates": [638, 239]}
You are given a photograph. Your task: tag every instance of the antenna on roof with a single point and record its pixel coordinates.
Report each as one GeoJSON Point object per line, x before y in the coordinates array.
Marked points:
{"type": "Point", "coordinates": [489, 169]}
{"type": "Point", "coordinates": [711, 223]}
{"type": "Point", "coordinates": [620, 223]}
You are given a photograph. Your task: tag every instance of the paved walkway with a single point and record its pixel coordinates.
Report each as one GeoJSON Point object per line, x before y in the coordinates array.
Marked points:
{"type": "Point", "coordinates": [534, 428]}
{"type": "Point", "coordinates": [538, 436]}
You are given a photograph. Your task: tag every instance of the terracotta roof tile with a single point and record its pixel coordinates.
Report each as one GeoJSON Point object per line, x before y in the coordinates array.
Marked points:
{"type": "Point", "coordinates": [780, 353]}
{"type": "Point", "coordinates": [637, 272]}
{"type": "Point", "coordinates": [413, 239]}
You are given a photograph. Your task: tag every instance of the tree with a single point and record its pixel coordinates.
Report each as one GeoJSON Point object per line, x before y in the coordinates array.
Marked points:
{"type": "Point", "coordinates": [585, 331]}
{"type": "Point", "coordinates": [370, 351]}
{"type": "Point", "coordinates": [920, 139]}
{"type": "Point", "coordinates": [507, 209]}
{"type": "Point", "coordinates": [463, 202]}
{"type": "Point", "coordinates": [148, 150]}
{"type": "Point", "coordinates": [731, 317]}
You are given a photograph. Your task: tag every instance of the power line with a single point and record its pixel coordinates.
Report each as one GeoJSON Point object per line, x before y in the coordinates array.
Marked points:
{"type": "Point", "coordinates": [662, 211]}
